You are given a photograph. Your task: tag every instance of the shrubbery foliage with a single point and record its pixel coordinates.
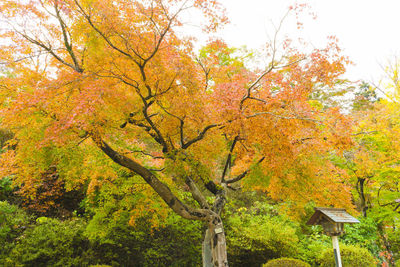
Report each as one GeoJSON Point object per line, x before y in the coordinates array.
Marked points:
{"type": "Point", "coordinates": [351, 256]}
{"type": "Point", "coordinates": [285, 262]}
{"type": "Point", "coordinates": [255, 235]}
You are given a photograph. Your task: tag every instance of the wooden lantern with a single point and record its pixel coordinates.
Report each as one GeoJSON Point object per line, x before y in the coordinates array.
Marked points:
{"type": "Point", "coordinates": [332, 220]}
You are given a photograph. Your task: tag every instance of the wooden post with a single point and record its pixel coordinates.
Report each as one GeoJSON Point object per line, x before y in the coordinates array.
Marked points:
{"type": "Point", "coordinates": [332, 220]}
{"type": "Point", "coordinates": [336, 251]}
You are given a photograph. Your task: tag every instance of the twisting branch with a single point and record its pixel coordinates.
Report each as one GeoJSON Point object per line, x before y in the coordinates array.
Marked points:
{"type": "Point", "coordinates": [158, 137]}
{"type": "Point", "coordinates": [294, 117]}
{"type": "Point", "coordinates": [248, 93]}
{"type": "Point", "coordinates": [269, 70]}
{"type": "Point", "coordinates": [392, 203]}
{"type": "Point", "coordinates": [273, 65]}
{"type": "Point", "coordinates": [196, 193]}
{"type": "Point", "coordinates": [131, 83]}
{"type": "Point", "coordinates": [228, 162]}
{"type": "Point", "coordinates": [181, 121]}
{"type": "Point", "coordinates": [200, 136]}
{"type": "Point", "coordinates": [170, 86]}
{"type": "Point", "coordinates": [156, 133]}
{"type": "Point", "coordinates": [102, 34]}
{"type": "Point", "coordinates": [67, 38]}
{"type": "Point", "coordinates": [150, 129]}
{"type": "Point", "coordinates": [242, 175]}
{"type": "Point", "coordinates": [144, 153]}
{"type": "Point", "coordinates": [159, 187]}
{"type": "Point", "coordinates": [206, 73]}
{"type": "Point", "coordinates": [141, 63]}
{"type": "Point", "coordinates": [365, 133]}
{"type": "Point", "coordinates": [48, 48]}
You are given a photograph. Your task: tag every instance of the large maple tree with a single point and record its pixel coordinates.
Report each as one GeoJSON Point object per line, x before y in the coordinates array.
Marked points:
{"type": "Point", "coordinates": [95, 86]}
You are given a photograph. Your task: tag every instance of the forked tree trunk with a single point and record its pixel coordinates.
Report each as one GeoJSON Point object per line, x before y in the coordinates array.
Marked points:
{"type": "Point", "coordinates": [214, 245]}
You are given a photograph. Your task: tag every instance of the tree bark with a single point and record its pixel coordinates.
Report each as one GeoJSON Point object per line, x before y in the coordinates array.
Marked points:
{"type": "Point", "coordinates": [361, 194]}
{"type": "Point", "coordinates": [214, 245]}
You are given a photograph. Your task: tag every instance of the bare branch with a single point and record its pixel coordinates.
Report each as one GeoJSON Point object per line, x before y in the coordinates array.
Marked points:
{"type": "Point", "coordinates": [206, 72]}
{"type": "Point", "coordinates": [242, 175]}
{"type": "Point", "coordinates": [144, 153]}
{"type": "Point", "coordinates": [365, 133]}
{"type": "Point", "coordinates": [383, 92]}
{"type": "Point", "coordinates": [294, 117]}
{"type": "Point", "coordinates": [228, 162]}
{"type": "Point", "coordinates": [255, 83]}
{"type": "Point", "coordinates": [200, 136]}
{"type": "Point", "coordinates": [102, 34]}
{"type": "Point", "coordinates": [31, 56]}
{"type": "Point", "coordinates": [47, 48]}
{"type": "Point", "coordinates": [67, 39]}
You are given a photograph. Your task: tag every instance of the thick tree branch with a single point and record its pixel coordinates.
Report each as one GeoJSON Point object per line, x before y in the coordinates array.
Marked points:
{"type": "Point", "coordinates": [158, 137]}
{"type": "Point", "coordinates": [159, 187]}
{"type": "Point", "coordinates": [228, 162]}
{"type": "Point", "coordinates": [196, 193]}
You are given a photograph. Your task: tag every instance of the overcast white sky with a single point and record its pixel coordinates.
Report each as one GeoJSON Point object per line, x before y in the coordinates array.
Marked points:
{"type": "Point", "coordinates": [368, 30]}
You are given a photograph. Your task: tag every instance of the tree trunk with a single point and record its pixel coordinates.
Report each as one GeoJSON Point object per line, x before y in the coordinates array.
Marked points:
{"type": "Point", "coordinates": [361, 194]}
{"type": "Point", "coordinates": [214, 245]}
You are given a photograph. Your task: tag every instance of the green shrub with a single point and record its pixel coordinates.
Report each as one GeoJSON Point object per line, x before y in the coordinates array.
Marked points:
{"type": "Point", "coordinates": [176, 243]}
{"type": "Point", "coordinates": [311, 245]}
{"type": "Point", "coordinates": [364, 234]}
{"type": "Point", "coordinates": [6, 188]}
{"type": "Point", "coordinates": [254, 236]}
{"type": "Point", "coordinates": [13, 222]}
{"type": "Point", "coordinates": [286, 262]}
{"type": "Point", "coordinates": [393, 236]}
{"type": "Point", "coordinates": [351, 256]}
{"type": "Point", "coordinates": [52, 243]}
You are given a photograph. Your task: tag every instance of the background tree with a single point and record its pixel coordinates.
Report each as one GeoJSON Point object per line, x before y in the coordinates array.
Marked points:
{"type": "Point", "coordinates": [104, 87]}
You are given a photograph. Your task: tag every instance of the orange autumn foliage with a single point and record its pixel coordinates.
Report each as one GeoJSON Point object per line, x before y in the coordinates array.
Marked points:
{"type": "Point", "coordinates": [85, 76]}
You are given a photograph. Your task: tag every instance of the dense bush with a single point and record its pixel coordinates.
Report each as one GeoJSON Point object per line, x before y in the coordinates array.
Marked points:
{"type": "Point", "coordinates": [285, 262]}
{"type": "Point", "coordinates": [364, 234]}
{"type": "Point", "coordinates": [176, 243]}
{"type": "Point", "coordinates": [351, 256]}
{"type": "Point", "coordinates": [148, 240]}
{"type": "Point", "coordinates": [52, 243]}
{"type": "Point", "coordinates": [256, 235]}
{"type": "Point", "coordinates": [6, 188]}
{"type": "Point", "coordinates": [13, 222]}
{"type": "Point", "coordinates": [311, 245]}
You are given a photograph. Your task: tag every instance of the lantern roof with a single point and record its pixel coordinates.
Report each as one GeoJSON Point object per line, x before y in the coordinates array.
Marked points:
{"type": "Point", "coordinates": [331, 214]}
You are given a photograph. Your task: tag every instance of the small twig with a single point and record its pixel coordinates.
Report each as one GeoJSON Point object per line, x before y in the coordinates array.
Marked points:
{"type": "Point", "coordinates": [144, 153]}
